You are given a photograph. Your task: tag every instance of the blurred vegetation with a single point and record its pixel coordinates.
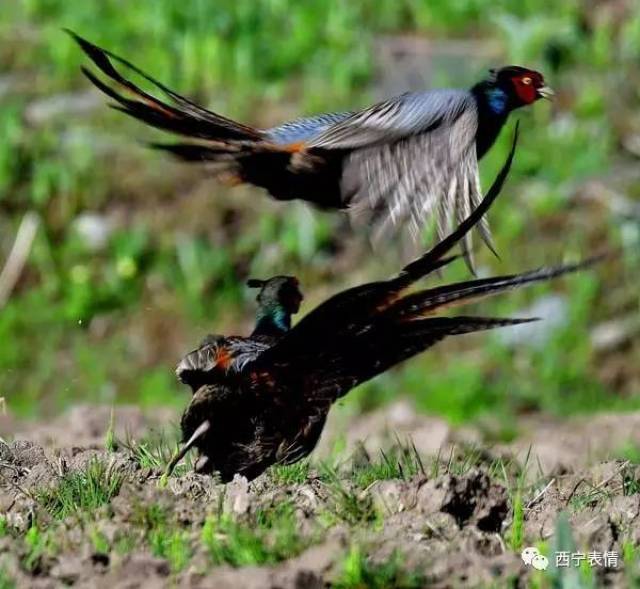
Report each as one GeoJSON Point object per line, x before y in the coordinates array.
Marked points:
{"type": "Point", "coordinates": [137, 257]}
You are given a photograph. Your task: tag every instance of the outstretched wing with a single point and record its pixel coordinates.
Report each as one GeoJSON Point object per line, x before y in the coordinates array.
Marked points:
{"type": "Point", "coordinates": [411, 158]}
{"type": "Point", "coordinates": [398, 332]}
{"type": "Point", "coordinates": [400, 117]}
{"type": "Point", "coordinates": [319, 378]}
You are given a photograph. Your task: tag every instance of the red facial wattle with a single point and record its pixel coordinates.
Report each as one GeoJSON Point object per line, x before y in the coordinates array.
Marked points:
{"type": "Point", "coordinates": [525, 92]}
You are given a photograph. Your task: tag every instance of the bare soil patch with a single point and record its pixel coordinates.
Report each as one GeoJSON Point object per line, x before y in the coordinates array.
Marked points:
{"type": "Point", "coordinates": [455, 513]}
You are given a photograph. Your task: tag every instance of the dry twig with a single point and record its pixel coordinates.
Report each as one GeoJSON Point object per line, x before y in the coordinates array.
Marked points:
{"type": "Point", "coordinates": [18, 256]}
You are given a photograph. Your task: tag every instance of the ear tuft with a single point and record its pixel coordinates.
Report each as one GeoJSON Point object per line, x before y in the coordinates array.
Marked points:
{"type": "Point", "coordinates": [255, 283]}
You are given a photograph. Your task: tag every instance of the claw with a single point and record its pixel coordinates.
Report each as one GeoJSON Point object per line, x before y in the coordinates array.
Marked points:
{"type": "Point", "coordinates": [202, 429]}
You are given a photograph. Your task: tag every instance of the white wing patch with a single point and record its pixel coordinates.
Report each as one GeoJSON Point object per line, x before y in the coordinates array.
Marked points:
{"type": "Point", "coordinates": [418, 178]}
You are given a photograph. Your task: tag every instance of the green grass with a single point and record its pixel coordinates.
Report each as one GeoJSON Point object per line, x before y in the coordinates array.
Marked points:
{"type": "Point", "coordinates": [348, 503]}
{"type": "Point", "coordinates": [156, 450]}
{"type": "Point", "coordinates": [402, 462]}
{"type": "Point", "coordinates": [110, 442]}
{"type": "Point", "coordinates": [99, 541]}
{"type": "Point", "coordinates": [631, 559]}
{"type": "Point", "coordinates": [156, 526]}
{"type": "Point", "coordinates": [290, 474]}
{"type": "Point", "coordinates": [124, 544]}
{"type": "Point", "coordinates": [515, 537]}
{"type": "Point", "coordinates": [586, 494]}
{"type": "Point", "coordinates": [358, 573]}
{"type": "Point", "coordinates": [6, 582]}
{"type": "Point", "coordinates": [39, 543]}
{"type": "Point", "coordinates": [81, 492]}
{"type": "Point", "coordinates": [172, 546]}
{"type": "Point", "coordinates": [630, 452]}
{"type": "Point", "coordinates": [563, 541]}
{"type": "Point", "coordinates": [270, 537]}
{"type": "Point", "coordinates": [630, 483]}
{"type": "Point", "coordinates": [516, 489]}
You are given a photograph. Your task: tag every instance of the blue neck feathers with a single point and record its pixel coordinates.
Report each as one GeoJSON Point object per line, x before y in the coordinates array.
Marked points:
{"type": "Point", "coordinates": [497, 100]}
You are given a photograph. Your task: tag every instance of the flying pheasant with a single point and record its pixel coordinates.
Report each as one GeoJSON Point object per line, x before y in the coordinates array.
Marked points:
{"type": "Point", "coordinates": [263, 400]}
{"type": "Point", "coordinates": [411, 158]}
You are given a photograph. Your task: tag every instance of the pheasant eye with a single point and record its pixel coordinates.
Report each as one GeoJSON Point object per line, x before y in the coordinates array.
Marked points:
{"type": "Point", "coordinates": [526, 80]}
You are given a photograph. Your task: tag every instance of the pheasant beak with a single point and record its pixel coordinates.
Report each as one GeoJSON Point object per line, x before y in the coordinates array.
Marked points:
{"type": "Point", "coordinates": [545, 92]}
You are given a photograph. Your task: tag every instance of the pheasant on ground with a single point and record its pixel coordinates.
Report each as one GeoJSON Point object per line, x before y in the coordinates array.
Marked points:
{"type": "Point", "coordinates": [263, 400]}
{"type": "Point", "coordinates": [278, 300]}
{"type": "Point", "coordinates": [408, 159]}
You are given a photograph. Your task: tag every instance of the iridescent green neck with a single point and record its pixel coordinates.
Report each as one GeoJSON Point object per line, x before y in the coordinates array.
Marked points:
{"type": "Point", "coordinates": [272, 320]}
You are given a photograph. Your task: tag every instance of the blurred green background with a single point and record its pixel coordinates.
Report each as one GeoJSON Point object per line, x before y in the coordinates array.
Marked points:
{"type": "Point", "coordinates": [136, 257]}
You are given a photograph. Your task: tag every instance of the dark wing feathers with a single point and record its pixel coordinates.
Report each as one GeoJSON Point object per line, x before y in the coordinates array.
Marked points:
{"type": "Point", "coordinates": [391, 336]}
{"type": "Point", "coordinates": [332, 374]}
{"type": "Point", "coordinates": [405, 339]}
{"type": "Point", "coordinates": [200, 153]}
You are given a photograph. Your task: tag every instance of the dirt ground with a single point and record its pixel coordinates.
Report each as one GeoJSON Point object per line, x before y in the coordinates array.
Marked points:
{"type": "Point", "coordinates": [459, 520]}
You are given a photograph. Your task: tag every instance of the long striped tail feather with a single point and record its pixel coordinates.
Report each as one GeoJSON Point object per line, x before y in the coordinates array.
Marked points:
{"type": "Point", "coordinates": [426, 302]}
{"type": "Point", "coordinates": [182, 116]}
